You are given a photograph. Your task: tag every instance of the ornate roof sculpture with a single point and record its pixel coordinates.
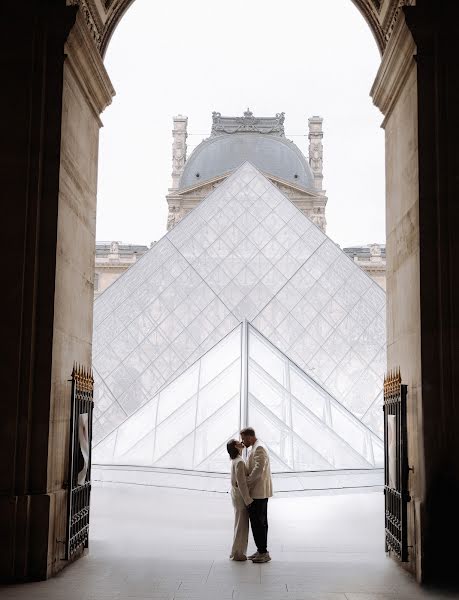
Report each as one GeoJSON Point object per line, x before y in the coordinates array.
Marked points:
{"type": "Point", "coordinates": [244, 253]}
{"type": "Point", "coordinates": [248, 124]}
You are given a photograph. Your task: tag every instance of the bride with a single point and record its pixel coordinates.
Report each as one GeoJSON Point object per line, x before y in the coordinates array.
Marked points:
{"type": "Point", "coordinates": [241, 500]}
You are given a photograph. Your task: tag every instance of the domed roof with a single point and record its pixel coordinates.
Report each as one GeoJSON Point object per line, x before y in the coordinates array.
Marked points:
{"type": "Point", "coordinates": [225, 152]}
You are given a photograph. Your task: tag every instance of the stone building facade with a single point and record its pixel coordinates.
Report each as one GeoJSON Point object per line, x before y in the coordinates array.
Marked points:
{"type": "Point", "coordinates": [259, 140]}
{"type": "Point", "coordinates": [372, 259]}
{"type": "Point", "coordinates": [112, 260]}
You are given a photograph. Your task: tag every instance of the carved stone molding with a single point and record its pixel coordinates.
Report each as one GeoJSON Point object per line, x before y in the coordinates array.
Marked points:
{"type": "Point", "coordinates": [84, 60]}
{"type": "Point", "coordinates": [392, 15]}
{"type": "Point", "coordinates": [397, 61]}
{"type": "Point", "coordinates": [93, 21]}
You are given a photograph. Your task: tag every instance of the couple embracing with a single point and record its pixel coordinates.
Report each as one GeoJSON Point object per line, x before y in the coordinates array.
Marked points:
{"type": "Point", "coordinates": [251, 486]}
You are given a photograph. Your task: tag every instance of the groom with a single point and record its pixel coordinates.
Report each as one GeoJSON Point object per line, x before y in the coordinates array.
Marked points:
{"type": "Point", "coordinates": [260, 488]}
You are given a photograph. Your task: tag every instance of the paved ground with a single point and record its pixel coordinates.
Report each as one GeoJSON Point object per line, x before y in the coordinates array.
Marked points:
{"type": "Point", "coordinates": [159, 544]}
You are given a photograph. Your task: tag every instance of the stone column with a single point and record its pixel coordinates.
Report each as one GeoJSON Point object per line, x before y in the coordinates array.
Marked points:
{"type": "Point", "coordinates": [435, 28]}
{"type": "Point", "coordinates": [417, 89]}
{"type": "Point", "coordinates": [316, 150]}
{"type": "Point", "coordinates": [179, 135]}
{"type": "Point", "coordinates": [57, 87]}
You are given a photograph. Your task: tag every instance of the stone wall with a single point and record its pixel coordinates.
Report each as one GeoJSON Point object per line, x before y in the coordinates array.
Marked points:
{"type": "Point", "coordinates": [72, 339]}
{"type": "Point", "coordinates": [395, 91]}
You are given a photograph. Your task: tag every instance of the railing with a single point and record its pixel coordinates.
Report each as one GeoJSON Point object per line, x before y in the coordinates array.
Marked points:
{"type": "Point", "coordinates": [79, 485]}
{"type": "Point", "coordinates": [395, 466]}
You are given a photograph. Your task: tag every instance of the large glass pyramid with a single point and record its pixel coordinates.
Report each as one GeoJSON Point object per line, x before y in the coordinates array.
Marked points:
{"type": "Point", "coordinates": [244, 253]}
{"type": "Point", "coordinates": [186, 426]}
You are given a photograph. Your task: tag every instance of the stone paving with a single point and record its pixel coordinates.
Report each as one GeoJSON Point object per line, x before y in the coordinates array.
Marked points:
{"type": "Point", "coordinates": [161, 544]}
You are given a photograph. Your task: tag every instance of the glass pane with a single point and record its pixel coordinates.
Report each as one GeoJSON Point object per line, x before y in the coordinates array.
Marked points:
{"type": "Point", "coordinates": [219, 427]}
{"type": "Point", "coordinates": [266, 356]}
{"type": "Point", "coordinates": [276, 435]}
{"type": "Point", "coordinates": [269, 393]}
{"type": "Point", "coordinates": [178, 392]}
{"type": "Point", "coordinates": [137, 427]}
{"type": "Point", "coordinates": [141, 453]}
{"type": "Point", "coordinates": [323, 440]}
{"type": "Point", "coordinates": [308, 394]}
{"type": "Point", "coordinates": [179, 456]}
{"type": "Point", "coordinates": [221, 389]}
{"type": "Point", "coordinates": [177, 425]}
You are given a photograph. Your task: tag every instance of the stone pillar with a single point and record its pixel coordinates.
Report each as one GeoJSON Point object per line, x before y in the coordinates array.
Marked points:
{"type": "Point", "coordinates": [179, 135]}
{"type": "Point", "coordinates": [435, 28]}
{"type": "Point", "coordinates": [316, 150]}
{"type": "Point", "coordinates": [417, 89]}
{"type": "Point", "coordinates": [58, 87]}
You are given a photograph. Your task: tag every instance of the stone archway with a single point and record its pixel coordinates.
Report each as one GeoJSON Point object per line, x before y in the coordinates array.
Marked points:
{"type": "Point", "coordinates": [50, 150]}
{"type": "Point", "coordinates": [378, 21]}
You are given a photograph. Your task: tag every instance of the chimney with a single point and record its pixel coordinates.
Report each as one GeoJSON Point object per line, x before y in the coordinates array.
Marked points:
{"type": "Point", "coordinates": [179, 135]}
{"type": "Point", "coordinates": [316, 150]}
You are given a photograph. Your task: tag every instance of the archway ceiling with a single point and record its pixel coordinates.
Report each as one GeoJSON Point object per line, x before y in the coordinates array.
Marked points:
{"type": "Point", "coordinates": [103, 17]}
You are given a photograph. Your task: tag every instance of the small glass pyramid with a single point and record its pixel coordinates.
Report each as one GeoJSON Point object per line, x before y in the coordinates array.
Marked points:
{"type": "Point", "coordinates": [247, 253]}
{"type": "Point", "coordinates": [186, 426]}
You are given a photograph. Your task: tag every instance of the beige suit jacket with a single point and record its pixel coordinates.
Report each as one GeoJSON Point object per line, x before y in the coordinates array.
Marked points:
{"type": "Point", "coordinates": [259, 479]}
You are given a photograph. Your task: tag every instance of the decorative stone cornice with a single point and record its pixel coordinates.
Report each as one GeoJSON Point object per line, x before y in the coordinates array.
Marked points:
{"type": "Point", "coordinates": [84, 60]}
{"type": "Point", "coordinates": [392, 14]}
{"type": "Point", "coordinates": [93, 21]}
{"type": "Point", "coordinates": [397, 61]}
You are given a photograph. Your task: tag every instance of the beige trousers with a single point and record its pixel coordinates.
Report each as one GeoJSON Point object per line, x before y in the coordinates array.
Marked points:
{"type": "Point", "coordinates": [241, 525]}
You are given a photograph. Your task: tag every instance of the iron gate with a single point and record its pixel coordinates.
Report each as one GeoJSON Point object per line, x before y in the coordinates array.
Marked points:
{"type": "Point", "coordinates": [395, 465]}
{"type": "Point", "coordinates": [79, 485]}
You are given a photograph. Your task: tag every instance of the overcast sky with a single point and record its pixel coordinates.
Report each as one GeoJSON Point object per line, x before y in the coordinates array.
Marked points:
{"type": "Point", "coordinates": [301, 57]}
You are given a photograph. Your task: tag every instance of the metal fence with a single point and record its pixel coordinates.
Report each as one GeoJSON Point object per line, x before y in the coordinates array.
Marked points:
{"type": "Point", "coordinates": [79, 485]}
{"type": "Point", "coordinates": [395, 465]}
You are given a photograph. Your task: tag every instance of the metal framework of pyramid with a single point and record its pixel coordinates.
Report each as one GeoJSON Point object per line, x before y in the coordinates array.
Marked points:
{"type": "Point", "coordinates": [243, 377]}
{"type": "Point", "coordinates": [244, 253]}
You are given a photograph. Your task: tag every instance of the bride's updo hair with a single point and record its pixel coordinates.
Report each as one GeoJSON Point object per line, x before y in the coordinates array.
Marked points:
{"type": "Point", "coordinates": [232, 450]}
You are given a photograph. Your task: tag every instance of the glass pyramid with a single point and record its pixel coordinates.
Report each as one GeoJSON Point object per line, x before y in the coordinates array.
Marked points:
{"type": "Point", "coordinates": [245, 252]}
{"type": "Point", "coordinates": [187, 424]}
{"type": "Point", "coordinates": [305, 428]}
